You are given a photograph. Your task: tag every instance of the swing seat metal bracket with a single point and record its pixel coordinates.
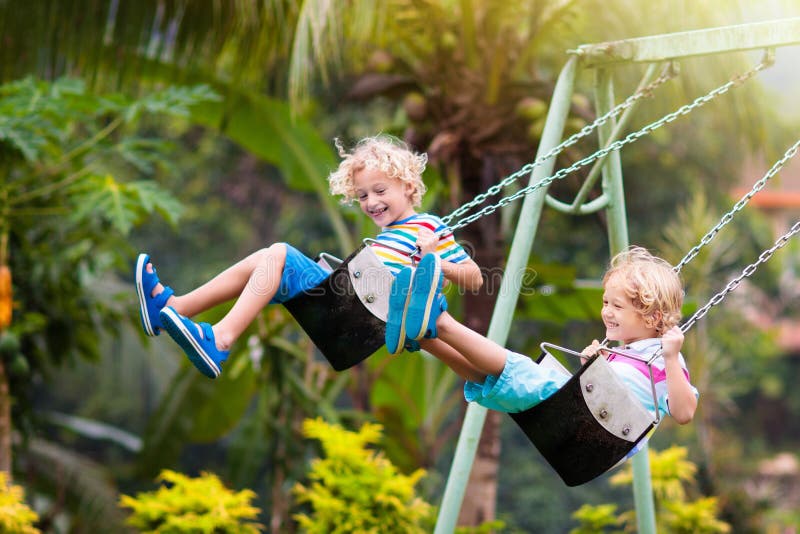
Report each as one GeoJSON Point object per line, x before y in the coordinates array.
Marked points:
{"type": "Point", "coordinates": [372, 282]}
{"type": "Point", "coordinates": [611, 404]}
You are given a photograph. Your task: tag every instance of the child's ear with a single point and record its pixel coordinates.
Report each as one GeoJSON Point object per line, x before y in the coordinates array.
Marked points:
{"type": "Point", "coordinates": [652, 320]}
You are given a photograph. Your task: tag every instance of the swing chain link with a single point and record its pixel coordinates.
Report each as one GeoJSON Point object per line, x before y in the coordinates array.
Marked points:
{"type": "Point", "coordinates": [683, 110]}
{"type": "Point", "coordinates": [669, 72]}
{"type": "Point", "coordinates": [758, 186]}
{"type": "Point", "coordinates": [746, 272]}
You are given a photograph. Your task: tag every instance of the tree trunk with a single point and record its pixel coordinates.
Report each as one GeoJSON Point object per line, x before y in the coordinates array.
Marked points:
{"type": "Point", "coordinates": [484, 239]}
{"type": "Point", "coordinates": [5, 423]}
{"type": "Point", "coordinates": [480, 497]}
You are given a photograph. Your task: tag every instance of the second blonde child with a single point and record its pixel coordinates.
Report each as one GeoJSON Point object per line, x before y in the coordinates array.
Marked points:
{"type": "Point", "coordinates": [641, 308]}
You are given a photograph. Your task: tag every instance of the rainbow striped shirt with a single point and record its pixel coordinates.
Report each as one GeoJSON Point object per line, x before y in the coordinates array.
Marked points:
{"type": "Point", "coordinates": [398, 242]}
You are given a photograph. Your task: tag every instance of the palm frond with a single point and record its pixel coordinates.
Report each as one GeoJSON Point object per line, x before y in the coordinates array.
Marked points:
{"type": "Point", "coordinates": [91, 497]}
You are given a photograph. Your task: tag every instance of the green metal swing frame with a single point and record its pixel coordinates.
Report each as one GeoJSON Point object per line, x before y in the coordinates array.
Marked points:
{"type": "Point", "coordinates": [603, 58]}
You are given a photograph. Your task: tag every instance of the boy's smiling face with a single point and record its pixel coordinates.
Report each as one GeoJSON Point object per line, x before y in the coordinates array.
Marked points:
{"type": "Point", "coordinates": [384, 199]}
{"type": "Point", "coordinates": [622, 320]}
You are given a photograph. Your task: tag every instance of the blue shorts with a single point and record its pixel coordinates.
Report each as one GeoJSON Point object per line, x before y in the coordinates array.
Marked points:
{"type": "Point", "coordinates": [523, 384]}
{"type": "Point", "coordinates": [300, 274]}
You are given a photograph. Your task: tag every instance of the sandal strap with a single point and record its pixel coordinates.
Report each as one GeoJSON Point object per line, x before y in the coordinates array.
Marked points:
{"type": "Point", "coordinates": [149, 280]}
{"type": "Point", "coordinates": [208, 333]}
{"type": "Point", "coordinates": [161, 299]}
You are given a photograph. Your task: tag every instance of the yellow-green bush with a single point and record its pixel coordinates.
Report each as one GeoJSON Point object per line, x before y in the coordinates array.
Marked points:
{"type": "Point", "coordinates": [196, 505]}
{"type": "Point", "coordinates": [673, 478]}
{"type": "Point", "coordinates": [357, 490]}
{"type": "Point", "coordinates": [15, 515]}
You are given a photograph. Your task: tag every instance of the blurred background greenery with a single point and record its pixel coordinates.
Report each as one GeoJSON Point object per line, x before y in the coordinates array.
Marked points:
{"type": "Point", "coordinates": [125, 158]}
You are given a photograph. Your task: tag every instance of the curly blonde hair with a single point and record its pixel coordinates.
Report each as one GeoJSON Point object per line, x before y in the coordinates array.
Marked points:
{"type": "Point", "coordinates": [652, 285]}
{"type": "Point", "coordinates": [385, 153]}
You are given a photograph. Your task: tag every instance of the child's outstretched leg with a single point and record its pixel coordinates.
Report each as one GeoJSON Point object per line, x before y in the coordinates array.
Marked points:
{"type": "Point", "coordinates": [457, 362]}
{"type": "Point", "coordinates": [482, 355]}
{"type": "Point", "coordinates": [471, 355]}
{"type": "Point", "coordinates": [255, 280]}
{"type": "Point", "coordinates": [261, 271]}
{"type": "Point", "coordinates": [227, 285]}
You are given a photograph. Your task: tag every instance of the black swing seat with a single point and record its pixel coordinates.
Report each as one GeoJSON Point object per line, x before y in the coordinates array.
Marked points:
{"type": "Point", "coordinates": [345, 315]}
{"type": "Point", "coordinates": [588, 425]}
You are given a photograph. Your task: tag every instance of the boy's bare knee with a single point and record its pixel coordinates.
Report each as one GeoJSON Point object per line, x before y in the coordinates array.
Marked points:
{"type": "Point", "coordinates": [268, 263]}
{"type": "Point", "coordinates": [278, 250]}
{"type": "Point", "coordinates": [274, 255]}
{"type": "Point", "coordinates": [445, 323]}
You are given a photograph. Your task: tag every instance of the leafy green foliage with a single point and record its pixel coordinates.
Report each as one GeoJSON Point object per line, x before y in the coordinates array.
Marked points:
{"type": "Point", "coordinates": [78, 178]}
{"type": "Point", "coordinates": [354, 489]}
{"type": "Point", "coordinates": [15, 515]}
{"type": "Point", "coordinates": [672, 478]}
{"type": "Point", "coordinates": [122, 205]}
{"type": "Point", "coordinates": [595, 519]}
{"type": "Point", "coordinates": [185, 504]}
{"type": "Point", "coordinates": [414, 412]}
{"type": "Point", "coordinates": [41, 119]}
{"type": "Point", "coordinates": [196, 409]}
{"type": "Point", "coordinates": [669, 471]}
{"type": "Point", "coordinates": [698, 517]}
{"type": "Point", "coordinates": [266, 127]}
{"type": "Point", "coordinates": [88, 495]}
{"type": "Point", "coordinates": [488, 527]}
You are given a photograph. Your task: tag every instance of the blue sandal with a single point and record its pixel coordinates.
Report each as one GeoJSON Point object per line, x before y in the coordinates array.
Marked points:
{"type": "Point", "coordinates": [149, 306]}
{"type": "Point", "coordinates": [425, 289]}
{"type": "Point", "coordinates": [395, 336]}
{"type": "Point", "coordinates": [202, 351]}
{"type": "Point", "coordinates": [439, 305]}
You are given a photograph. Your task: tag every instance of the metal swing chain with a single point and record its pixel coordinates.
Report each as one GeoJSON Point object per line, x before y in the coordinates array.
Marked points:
{"type": "Point", "coordinates": [758, 186]}
{"type": "Point", "coordinates": [748, 271]}
{"type": "Point", "coordinates": [667, 74]}
{"type": "Point", "coordinates": [716, 299]}
{"type": "Point", "coordinates": [683, 110]}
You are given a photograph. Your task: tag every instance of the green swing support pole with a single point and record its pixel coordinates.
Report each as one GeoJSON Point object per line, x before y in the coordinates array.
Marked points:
{"type": "Point", "coordinates": [509, 293]}
{"type": "Point", "coordinates": [602, 56]}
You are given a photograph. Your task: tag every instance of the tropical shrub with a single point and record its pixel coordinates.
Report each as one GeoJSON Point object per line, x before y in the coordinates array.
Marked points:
{"type": "Point", "coordinates": [192, 505]}
{"type": "Point", "coordinates": [15, 515]}
{"type": "Point", "coordinates": [673, 477]}
{"type": "Point", "coordinates": [355, 489]}
{"type": "Point", "coordinates": [594, 519]}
